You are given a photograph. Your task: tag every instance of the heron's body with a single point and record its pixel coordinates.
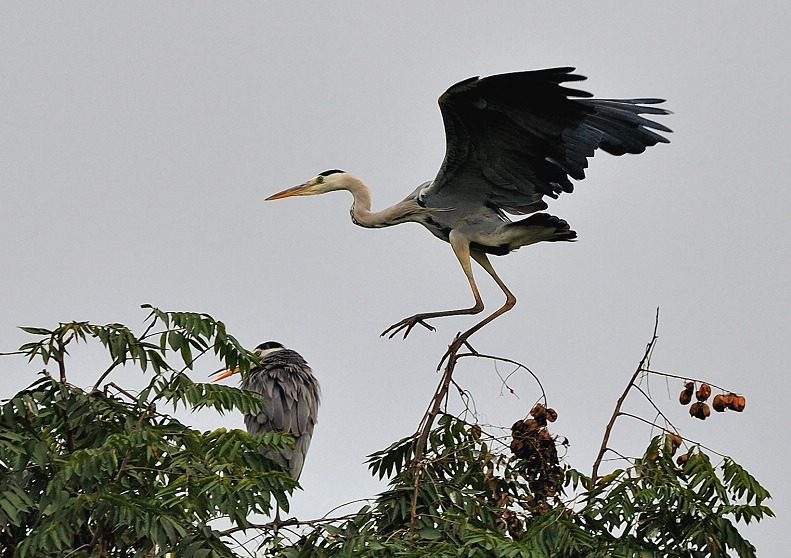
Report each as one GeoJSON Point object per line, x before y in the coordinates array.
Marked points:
{"type": "Point", "coordinates": [291, 397]}
{"type": "Point", "coordinates": [487, 229]}
{"type": "Point", "coordinates": [511, 140]}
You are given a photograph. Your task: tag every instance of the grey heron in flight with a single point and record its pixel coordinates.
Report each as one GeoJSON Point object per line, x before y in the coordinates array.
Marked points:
{"type": "Point", "coordinates": [511, 139]}
{"type": "Point", "coordinates": [291, 397]}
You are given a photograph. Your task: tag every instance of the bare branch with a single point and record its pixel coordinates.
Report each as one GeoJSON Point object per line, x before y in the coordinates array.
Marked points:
{"type": "Point", "coordinates": [106, 373]}
{"type": "Point", "coordinates": [291, 522]}
{"type": "Point", "coordinates": [686, 378]}
{"type": "Point", "coordinates": [608, 430]}
{"type": "Point", "coordinates": [509, 361]}
{"type": "Point", "coordinates": [659, 412]}
{"type": "Point", "coordinates": [693, 442]}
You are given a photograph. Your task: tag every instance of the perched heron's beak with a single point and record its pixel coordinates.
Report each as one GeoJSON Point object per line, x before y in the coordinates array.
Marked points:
{"type": "Point", "coordinates": [224, 374]}
{"type": "Point", "coordinates": [301, 190]}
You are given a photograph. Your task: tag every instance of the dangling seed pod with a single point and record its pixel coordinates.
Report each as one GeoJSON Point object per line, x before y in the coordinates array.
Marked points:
{"type": "Point", "coordinates": [552, 415]}
{"type": "Point", "coordinates": [738, 403]}
{"type": "Point", "coordinates": [686, 396]}
{"type": "Point", "coordinates": [700, 410]}
{"type": "Point", "coordinates": [681, 459]}
{"type": "Point", "coordinates": [719, 403]}
{"type": "Point", "coordinates": [539, 412]}
{"type": "Point", "coordinates": [703, 392]}
{"type": "Point", "coordinates": [675, 441]}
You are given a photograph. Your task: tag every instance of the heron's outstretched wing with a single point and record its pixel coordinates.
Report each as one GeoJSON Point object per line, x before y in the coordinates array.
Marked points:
{"type": "Point", "coordinates": [291, 400]}
{"type": "Point", "coordinates": [514, 138]}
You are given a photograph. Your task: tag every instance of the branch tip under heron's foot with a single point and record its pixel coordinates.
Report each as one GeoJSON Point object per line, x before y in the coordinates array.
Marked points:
{"type": "Point", "coordinates": [453, 348]}
{"type": "Point", "coordinates": [470, 347]}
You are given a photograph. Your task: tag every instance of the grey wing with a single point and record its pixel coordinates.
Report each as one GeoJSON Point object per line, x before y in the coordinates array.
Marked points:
{"type": "Point", "coordinates": [291, 397]}
{"type": "Point", "coordinates": [514, 138]}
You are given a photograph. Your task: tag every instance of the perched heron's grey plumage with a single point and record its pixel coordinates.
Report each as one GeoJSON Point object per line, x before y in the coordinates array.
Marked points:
{"type": "Point", "coordinates": [511, 139]}
{"type": "Point", "coordinates": [291, 397]}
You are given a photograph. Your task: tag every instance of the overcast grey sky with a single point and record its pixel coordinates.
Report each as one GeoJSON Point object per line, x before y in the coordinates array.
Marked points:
{"type": "Point", "coordinates": [139, 141]}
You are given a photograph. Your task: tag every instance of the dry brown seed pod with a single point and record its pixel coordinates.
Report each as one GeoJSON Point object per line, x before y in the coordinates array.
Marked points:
{"type": "Point", "coordinates": [689, 386]}
{"type": "Point", "coordinates": [719, 403]}
{"type": "Point", "coordinates": [703, 392]}
{"type": "Point", "coordinates": [681, 459]}
{"type": "Point", "coordinates": [675, 440]}
{"type": "Point", "coordinates": [738, 403]}
{"type": "Point", "coordinates": [538, 411]}
{"type": "Point", "coordinates": [685, 397]}
{"type": "Point", "coordinates": [700, 410]}
{"type": "Point", "coordinates": [552, 415]}
{"type": "Point", "coordinates": [531, 425]}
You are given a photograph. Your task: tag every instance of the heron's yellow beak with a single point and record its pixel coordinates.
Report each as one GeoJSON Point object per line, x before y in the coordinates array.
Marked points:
{"type": "Point", "coordinates": [301, 190]}
{"type": "Point", "coordinates": [224, 374]}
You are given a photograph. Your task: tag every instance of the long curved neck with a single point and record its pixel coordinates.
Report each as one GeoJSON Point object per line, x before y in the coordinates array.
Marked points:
{"type": "Point", "coordinates": [361, 208]}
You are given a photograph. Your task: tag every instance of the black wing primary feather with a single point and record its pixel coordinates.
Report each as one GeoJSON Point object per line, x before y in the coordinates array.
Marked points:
{"type": "Point", "coordinates": [514, 138]}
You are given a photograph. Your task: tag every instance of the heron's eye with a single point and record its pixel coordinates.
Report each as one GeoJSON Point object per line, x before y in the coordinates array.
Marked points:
{"type": "Point", "coordinates": [319, 179]}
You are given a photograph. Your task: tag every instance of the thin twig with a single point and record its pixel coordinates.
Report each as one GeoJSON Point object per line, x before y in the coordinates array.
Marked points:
{"type": "Point", "coordinates": [509, 361]}
{"type": "Point", "coordinates": [687, 378]}
{"type": "Point", "coordinates": [661, 414]}
{"type": "Point", "coordinates": [122, 391]}
{"type": "Point", "coordinates": [291, 522]}
{"type": "Point", "coordinates": [693, 442]}
{"type": "Point", "coordinates": [616, 413]}
{"type": "Point", "coordinates": [106, 373]}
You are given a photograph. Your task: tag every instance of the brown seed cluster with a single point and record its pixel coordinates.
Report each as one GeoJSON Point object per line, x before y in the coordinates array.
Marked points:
{"type": "Point", "coordinates": [531, 439]}
{"type": "Point", "coordinates": [700, 409]}
{"type": "Point", "coordinates": [535, 447]}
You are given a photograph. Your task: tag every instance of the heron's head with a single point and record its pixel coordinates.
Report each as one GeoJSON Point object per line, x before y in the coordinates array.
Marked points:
{"type": "Point", "coordinates": [261, 351]}
{"type": "Point", "coordinates": [327, 181]}
{"type": "Point", "coordinates": [269, 347]}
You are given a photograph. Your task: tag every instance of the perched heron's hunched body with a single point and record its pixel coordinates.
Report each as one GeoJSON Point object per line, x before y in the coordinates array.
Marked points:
{"type": "Point", "coordinates": [291, 397]}
{"type": "Point", "coordinates": [511, 139]}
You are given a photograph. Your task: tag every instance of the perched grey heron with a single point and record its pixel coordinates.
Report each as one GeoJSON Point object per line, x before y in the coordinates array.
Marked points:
{"type": "Point", "coordinates": [511, 139]}
{"type": "Point", "coordinates": [291, 397]}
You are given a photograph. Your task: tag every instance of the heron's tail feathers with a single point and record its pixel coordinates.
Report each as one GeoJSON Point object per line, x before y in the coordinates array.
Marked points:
{"type": "Point", "coordinates": [542, 227]}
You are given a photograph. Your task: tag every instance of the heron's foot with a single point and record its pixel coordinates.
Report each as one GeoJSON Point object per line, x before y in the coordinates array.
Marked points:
{"type": "Point", "coordinates": [406, 325]}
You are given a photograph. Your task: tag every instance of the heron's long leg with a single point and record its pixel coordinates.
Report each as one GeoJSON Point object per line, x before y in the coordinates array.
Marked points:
{"type": "Point", "coordinates": [510, 302]}
{"type": "Point", "coordinates": [510, 299]}
{"type": "Point", "coordinates": [461, 247]}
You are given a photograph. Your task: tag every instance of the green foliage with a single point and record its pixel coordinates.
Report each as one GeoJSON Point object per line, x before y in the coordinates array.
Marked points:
{"type": "Point", "coordinates": [103, 472]}
{"type": "Point", "coordinates": [466, 500]}
{"type": "Point", "coordinates": [667, 510]}
{"type": "Point", "coordinates": [89, 473]}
